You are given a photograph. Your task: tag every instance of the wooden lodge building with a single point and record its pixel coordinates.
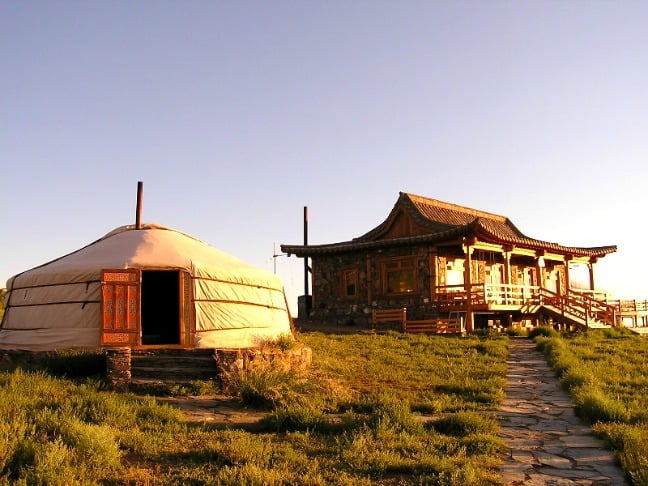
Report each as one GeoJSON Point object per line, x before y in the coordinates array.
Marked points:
{"type": "Point", "coordinates": [441, 263]}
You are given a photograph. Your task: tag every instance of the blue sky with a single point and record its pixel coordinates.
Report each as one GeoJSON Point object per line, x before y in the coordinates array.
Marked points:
{"type": "Point", "coordinates": [236, 115]}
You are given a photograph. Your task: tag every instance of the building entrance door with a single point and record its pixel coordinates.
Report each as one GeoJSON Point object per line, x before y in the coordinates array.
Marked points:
{"type": "Point", "coordinates": [120, 304]}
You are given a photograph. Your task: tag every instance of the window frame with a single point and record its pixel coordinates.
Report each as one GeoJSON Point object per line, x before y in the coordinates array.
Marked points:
{"type": "Point", "coordinates": [353, 272]}
{"type": "Point", "coordinates": [404, 264]}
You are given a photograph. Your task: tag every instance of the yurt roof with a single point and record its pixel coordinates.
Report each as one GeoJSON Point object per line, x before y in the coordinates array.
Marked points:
{"type": "Point", "coordinates": [151, 246]}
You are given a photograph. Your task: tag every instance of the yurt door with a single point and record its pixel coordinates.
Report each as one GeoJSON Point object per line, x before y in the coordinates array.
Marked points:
{"type": "Point", "coordinates": [120, 307]}
{"type": "Point", "coordinates": [161, 298]}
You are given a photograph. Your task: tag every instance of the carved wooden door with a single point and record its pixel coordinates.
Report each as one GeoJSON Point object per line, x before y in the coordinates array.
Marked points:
{"type": "Point", "coordinates": [120, 308]}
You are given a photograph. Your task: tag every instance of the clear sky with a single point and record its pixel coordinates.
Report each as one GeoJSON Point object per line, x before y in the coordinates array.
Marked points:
{"type": "Point", "coordinates": [236, 115]}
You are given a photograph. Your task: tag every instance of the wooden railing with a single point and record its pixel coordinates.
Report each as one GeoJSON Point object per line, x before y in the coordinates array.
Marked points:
{"type": "Point", "coordinates": [516, 295]}
{"type": "Point", "coordinates": [579, 306]}
{"type": "Point", "coordinates": [504, 294]}
{"type": "Point", "coordinates": [582, 306]}
{"type": "Point", "coordinates": [629, 305]}
{"type": "Point", "coordinates": [456, 296]}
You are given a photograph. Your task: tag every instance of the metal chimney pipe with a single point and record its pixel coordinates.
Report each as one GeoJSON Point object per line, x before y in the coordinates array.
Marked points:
{"type": "Point", "coordinates": [305, 244]}
{"type": "Point", "coordinates": [138, 210]}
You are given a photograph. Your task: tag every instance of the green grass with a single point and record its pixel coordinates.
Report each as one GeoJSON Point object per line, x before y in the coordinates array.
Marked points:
{"type": "Point", "coordinates": [354, 419]}
{"type": "Point", "coordinates": [607, 375]}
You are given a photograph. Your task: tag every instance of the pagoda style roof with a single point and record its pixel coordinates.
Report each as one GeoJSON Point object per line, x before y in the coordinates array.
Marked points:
{"type": "Point", "coordinates": [416, 219]}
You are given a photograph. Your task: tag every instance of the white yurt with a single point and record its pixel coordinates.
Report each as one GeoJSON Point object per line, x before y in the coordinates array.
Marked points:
{"type": "Point", "coordinates": [144, 286]}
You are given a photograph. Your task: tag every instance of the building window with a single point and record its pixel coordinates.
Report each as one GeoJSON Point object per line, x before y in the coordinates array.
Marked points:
{"type": "Point", "coordinates": [399, 276]}
{"type": "Point", "coordinates": [349, 283]}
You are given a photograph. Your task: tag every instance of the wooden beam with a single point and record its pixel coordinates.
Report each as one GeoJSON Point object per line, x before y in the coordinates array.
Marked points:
{"type": "Point", "coordinates": [432, 267]}
{"type": "Point", "coordinates": [368, 279]}
{"type": "Point", "coordinates": [468, 287]}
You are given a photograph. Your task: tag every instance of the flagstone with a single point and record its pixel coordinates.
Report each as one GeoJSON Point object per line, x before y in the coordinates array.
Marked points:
{"type": "Point", "coordinates": [553, 426]}
{"type": "Point", "coordinates": [552, 460]}
{"type": "Point", "coordinates": [544, 480]}
{"type": "Point", "coordinates": [547, 443]}
{"type": "Point", "coordinates": [568, 473]}
{"type": "Point", "coordinates": [582, 441]}
{"type": "Point", "coordinates": [591, 455]}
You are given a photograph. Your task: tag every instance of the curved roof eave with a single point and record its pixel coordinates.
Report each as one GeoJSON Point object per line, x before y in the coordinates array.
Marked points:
{"type": "Point", "coordinates": [525, 242]}
{"type": "Point", "coordinates": [355, 245]}
{"type": "Point", "coordinates": [475, 228]}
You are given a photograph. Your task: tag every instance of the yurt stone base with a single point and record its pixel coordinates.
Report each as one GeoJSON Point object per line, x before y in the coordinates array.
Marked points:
{"type": "Point", "coordinates": [125, 367]}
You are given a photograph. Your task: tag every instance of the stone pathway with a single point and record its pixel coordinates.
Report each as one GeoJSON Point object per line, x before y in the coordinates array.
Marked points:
{"type": "Point", "coordinates": [547, 443]}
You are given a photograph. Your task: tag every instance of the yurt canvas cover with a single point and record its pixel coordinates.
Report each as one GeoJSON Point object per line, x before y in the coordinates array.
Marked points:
{"type": "Point", "coordinates": [152, 286]}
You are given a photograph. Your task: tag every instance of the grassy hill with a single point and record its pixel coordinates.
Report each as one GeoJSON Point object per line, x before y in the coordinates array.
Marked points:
{"type": "Point", "coordinates": [384, 409]}
{"type": "Point", "coordinates": [375, 409]}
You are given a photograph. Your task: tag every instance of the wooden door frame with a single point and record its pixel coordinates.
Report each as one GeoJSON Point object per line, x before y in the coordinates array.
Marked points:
{"type": "Point", "coordinates": [128, 333]}
{"type": "Point", "coordinates": [120, 318]}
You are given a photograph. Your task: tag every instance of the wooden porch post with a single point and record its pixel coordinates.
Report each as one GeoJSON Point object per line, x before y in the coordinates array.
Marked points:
{"type": "Point", "coordinates": [568, 258]}
{"type": "Point", "coordinates": [368, 280]}
{"type": "Point", "coordinates": [590, 267]}
{"type": "Point", "coordinates": [468, 287]}
{"type": "Point", "coordinates": [540, 270]}
{"type": "Point", "coordinates": [433, 281]}
{"type": "Point", "coordinates": [506, 251]}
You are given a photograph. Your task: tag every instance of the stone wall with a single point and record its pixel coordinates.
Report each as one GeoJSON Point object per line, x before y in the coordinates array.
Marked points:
{"type": "Point", "coordinates": [329, 305]}
{"type": "Point", "coordinates": [298, 358]}
{"type": "Point", "coordinates": [118, 368]}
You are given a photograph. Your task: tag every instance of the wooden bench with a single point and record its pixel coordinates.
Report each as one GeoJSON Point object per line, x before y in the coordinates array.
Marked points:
{"type": "Point", "coordinates": [389, 315]}
{"type": "Point", "coordinates": [433, 326]}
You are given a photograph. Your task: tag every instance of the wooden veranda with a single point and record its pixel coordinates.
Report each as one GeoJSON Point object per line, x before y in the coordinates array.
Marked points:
{"type": "Point", "coordinates": [575, 309]}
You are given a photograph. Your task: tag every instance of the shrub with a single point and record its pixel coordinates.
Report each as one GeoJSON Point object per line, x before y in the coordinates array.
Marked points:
{"type": "Point", "coordinates": [187, 389]}
{"type": "Point", "coordinates": [396, 414]}
{"type": "Point", "coordinates": [465, 423]}
{"type": "Point", "coordinates": [13, 429]}
{"type": "Point", "coordinates": [52, 464]}
{"type": "Point", "coordinates": [264, 385]}
{"type": "Point", "coordinates": [517, 331]}
{"type": "Point", "coordinates": [575, 377]}
{"type": "Point", "coordinates": [594, 406]}
{"type": "Point", "coordinates": [544, 331]}
{"type": "Point", "coordinates": [492, 347]}
{"type": "Point", "coordinates": [614, 332]}
{"type": "Point", "coordinates": [299, 416]}
{"type": "Point", "coordinates": [487, 332]}
{"type": "Point", "coordinates": [557, 354]}
{"type": "Point", "coordinates": [283, 342]}
{"type": "Point", "coordinates": [631, 441]}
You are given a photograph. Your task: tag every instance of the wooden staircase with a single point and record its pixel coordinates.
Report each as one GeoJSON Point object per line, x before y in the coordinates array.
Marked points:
{"type": "Point", "coordinates": [579, 310]}
{"type": "Point", "coordinates": [150, 367]}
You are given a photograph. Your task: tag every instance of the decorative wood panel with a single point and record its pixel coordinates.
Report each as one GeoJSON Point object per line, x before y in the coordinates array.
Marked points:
{"type": "Point", "coordinates": [120, 307]}
{"type": "Point", "coordinates": [403, 226]}
{"type": "Point", "coordinates": [187, 327]}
